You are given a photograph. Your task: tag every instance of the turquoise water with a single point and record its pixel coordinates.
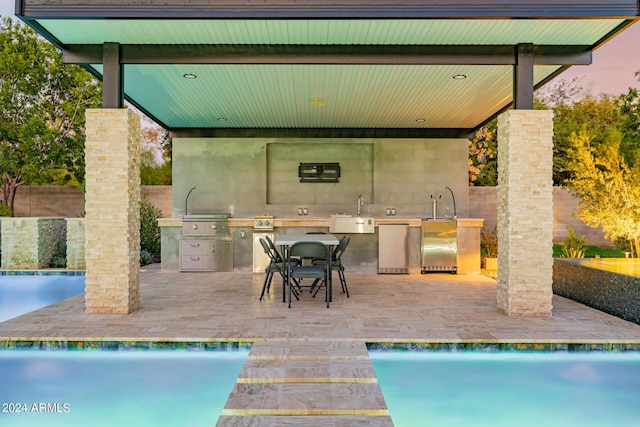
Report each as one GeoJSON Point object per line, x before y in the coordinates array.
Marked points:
{"type": "Point", "coordinates": [20, 294]}
{"type": "Point", "coordinates": [629, 267]}
{"type": "Point", "coordinates": [510, 389]}
{"type": "Point", "coordinates": [116, 388]}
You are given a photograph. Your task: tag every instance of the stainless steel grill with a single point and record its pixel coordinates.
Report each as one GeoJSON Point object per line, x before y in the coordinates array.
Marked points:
{"type": "Point", "coordinates": [206, 244]}
{"type": "Point", "coordinates": [205, 225]}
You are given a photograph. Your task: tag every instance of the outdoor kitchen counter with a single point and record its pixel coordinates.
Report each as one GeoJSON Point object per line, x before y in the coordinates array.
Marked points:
{"type": "Point", "coordinates": [293, 222]}
{"type": "Point", "coordinates": [363, 250]}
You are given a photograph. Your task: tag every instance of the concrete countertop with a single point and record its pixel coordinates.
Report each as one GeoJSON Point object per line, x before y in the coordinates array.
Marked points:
{"type": "Point", "coordinates": [322, 222]}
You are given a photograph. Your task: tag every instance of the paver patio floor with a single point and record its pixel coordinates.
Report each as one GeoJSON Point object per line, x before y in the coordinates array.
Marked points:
{"type": "Point", "coordinates": [437, 307]}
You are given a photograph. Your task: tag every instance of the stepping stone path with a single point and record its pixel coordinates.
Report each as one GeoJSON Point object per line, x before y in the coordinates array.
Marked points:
{"type": "Point", "coordinates": [307, 383]}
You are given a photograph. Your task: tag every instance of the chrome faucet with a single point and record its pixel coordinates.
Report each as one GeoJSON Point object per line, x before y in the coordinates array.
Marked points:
{"type": "Point", "coordinates": [186, 200]}
{"type": "Point", "coordinates": [455, 213]}
{"type": "Point", "coordinates": [360, 203]}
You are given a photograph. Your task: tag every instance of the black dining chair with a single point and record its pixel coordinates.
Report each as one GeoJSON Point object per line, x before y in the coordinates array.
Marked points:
{"type": "Point", "coordinates": [336, 262]}
{"type": "Point", "coordinates": [274, 249]}
{"type": "Point", "coordinates": [320, 273]}
{"type": "Point", "coordinates": [276, 265]}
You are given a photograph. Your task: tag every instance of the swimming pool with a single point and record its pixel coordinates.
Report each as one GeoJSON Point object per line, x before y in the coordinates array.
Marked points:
{"type": "Point", "coordinates": [22, 293]}
{"type": "Point", "coordinates": [509, 389]}
{"type": "Point", "coordinates": [116, 388]}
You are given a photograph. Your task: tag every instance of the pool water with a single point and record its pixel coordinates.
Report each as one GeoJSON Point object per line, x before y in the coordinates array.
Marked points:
{"type": "Point", "coordinates": [510, 389]}
{"type": "Point", "coordinates": [116, 388]}
{"type": "Point", "coordinates": [20, 294]}
{"type": "Point", "coordinates": [629, 267]}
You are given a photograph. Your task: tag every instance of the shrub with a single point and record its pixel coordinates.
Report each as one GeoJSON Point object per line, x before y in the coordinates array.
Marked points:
{"type": "Point", "coordinates": [145, 258]}
{"type": "Point", "coordinates": [573, 246]}
{"type": "Point", "coordinates": [5, 210]}
{"type": "Point", "coordinates": [489, 242]}
{"type": "Point", "coordinates": [622, 243]}
{"type": "Point", "coordinates": [149, 228]}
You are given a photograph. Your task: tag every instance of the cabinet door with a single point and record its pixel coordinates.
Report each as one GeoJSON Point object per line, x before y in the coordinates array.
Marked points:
{"type": "Point", "coordinates": [221, 255]}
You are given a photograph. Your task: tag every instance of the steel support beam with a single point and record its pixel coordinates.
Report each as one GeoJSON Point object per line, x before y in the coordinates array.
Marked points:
{"type": "Point", "coordinates": [329, 54]}
{"type": "Point", "coordinates": [322, 133]}
{"type": "Point", "coordinates": [112, 77]}
{"type": "Point", "coordinates": [523, 78]}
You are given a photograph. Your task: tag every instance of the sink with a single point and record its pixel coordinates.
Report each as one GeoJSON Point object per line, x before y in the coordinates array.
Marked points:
{"type": "Point", "coordinates": [351, 224]}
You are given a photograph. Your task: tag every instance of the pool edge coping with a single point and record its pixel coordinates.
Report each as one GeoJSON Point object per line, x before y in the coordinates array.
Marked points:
{"type": "Point", "coordinates": [474, 345]}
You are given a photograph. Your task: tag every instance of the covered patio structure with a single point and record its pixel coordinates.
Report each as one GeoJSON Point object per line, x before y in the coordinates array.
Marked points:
{"type": "Point", "coordinates": [339, 70]}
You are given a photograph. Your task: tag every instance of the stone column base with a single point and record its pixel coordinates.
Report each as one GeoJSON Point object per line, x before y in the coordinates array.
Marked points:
{"type": "Point", "coordinates": [112, 211]}
{"type": "Point", "coordinates": [525, 212]}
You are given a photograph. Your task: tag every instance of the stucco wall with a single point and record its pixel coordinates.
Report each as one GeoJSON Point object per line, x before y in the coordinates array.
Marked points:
{"type": "Point", "coordinates": [239, 176]}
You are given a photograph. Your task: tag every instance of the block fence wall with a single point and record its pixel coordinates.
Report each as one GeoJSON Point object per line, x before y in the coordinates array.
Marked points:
{"type": "Point", "coordinates": [68, 202]}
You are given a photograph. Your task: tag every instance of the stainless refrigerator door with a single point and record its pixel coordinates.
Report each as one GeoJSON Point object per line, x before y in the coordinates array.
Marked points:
{"type": "Point", "coordinates": [392, 249]}
{"type": "Point", "coordinates": [439, 246]}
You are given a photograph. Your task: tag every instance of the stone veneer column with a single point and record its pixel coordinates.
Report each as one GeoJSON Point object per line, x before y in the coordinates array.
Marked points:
{"type": "Point", "coordinates": [525, 212]}
{"type": "Point", "coordinates": [112, 204]}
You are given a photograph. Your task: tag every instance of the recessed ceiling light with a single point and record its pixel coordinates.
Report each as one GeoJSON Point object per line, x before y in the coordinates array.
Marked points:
{"type": "Point", "coordinates": [459, 77]}
{"type": "Point", "coordinates": [420, 120]}
{"type": "Point", "coordinates": [189, 76]}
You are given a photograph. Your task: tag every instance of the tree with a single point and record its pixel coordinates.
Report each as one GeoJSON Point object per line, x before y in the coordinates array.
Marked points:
{"type": "Point", "coordinates": [483, 155]}
{"type": "Point", "coordinates": [608, 187]}
{"type": "Point", "coordinates": [629, 107]}
{"type": "Point", "coordinates": [42, 105]}
{"type": "Point", "coordinates": [155, 165]}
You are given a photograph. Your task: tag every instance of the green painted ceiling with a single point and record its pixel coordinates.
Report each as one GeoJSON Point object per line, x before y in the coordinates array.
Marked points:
{"type": "Point", "coordinates": [366, 31]}
{"type": "Point", "coordinates": [255, 96]}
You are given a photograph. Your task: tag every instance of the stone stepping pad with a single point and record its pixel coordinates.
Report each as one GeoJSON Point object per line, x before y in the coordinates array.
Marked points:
{"type": "Point", "coordinates": [301, 421]}
{"type": "Point", "coordinates": [313, 383]}
{"type": "Point", "coordinates": [305, 399]}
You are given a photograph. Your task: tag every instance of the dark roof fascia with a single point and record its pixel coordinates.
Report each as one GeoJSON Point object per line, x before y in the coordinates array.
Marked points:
{"type": "Point", "coordinates": [354, 9]}
{"type": "Point", "coordinates": [320, 133]}
{"type": "Point", "coordinates": [330, 54]}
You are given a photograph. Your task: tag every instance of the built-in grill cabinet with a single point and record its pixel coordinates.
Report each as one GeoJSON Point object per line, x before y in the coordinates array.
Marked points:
{"type": "Point", "coordinates": [206, 244]}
